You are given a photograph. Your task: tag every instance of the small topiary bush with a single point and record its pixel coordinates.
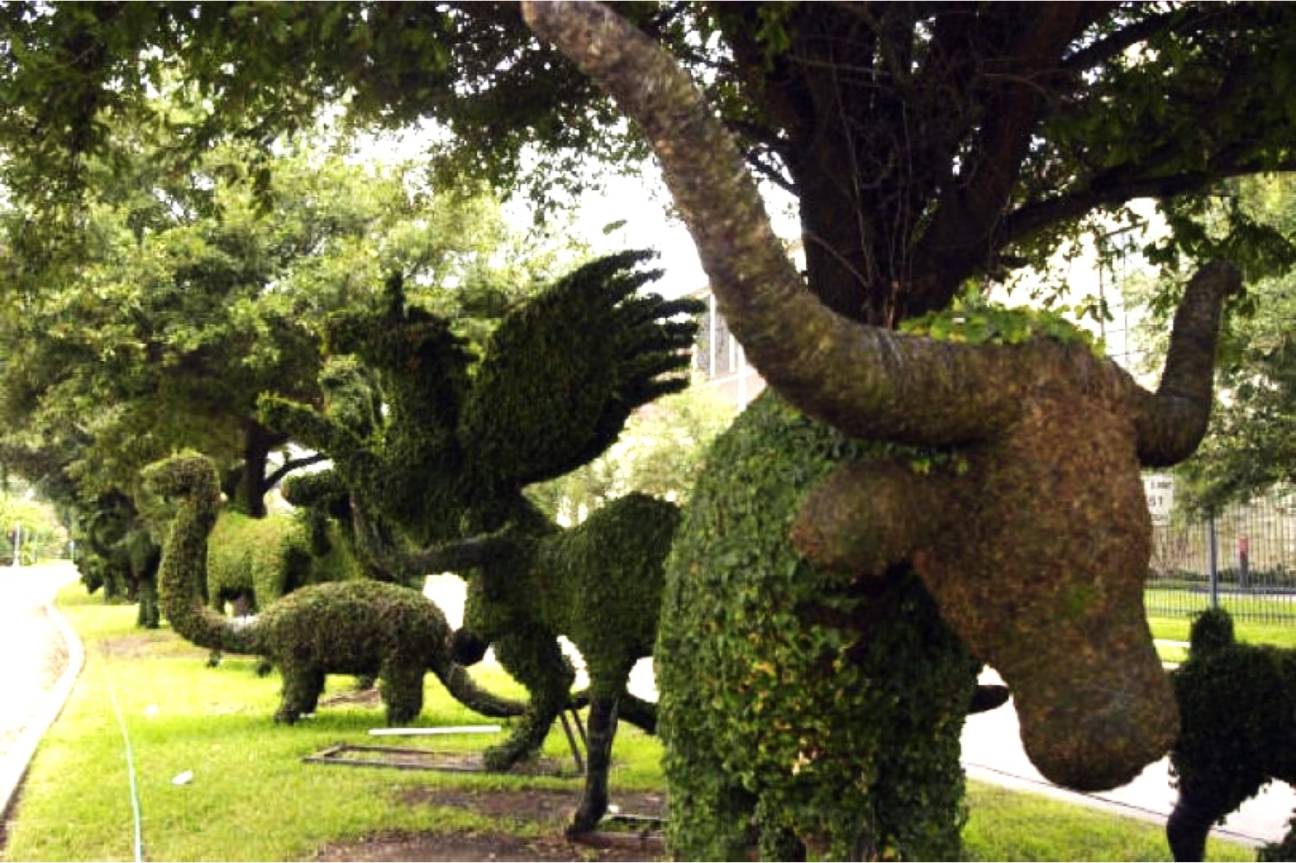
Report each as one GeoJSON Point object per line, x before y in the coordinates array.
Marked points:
{"type": "Point", "coordinates": [1237, 705]}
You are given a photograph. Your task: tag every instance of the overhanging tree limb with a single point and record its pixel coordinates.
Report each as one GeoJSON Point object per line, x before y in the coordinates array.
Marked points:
{"type": "Point", "coordinates": [901, 388]}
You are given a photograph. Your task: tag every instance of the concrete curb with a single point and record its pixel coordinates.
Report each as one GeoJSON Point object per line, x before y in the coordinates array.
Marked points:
{"type": "Point", "coordinates": [15, 764]}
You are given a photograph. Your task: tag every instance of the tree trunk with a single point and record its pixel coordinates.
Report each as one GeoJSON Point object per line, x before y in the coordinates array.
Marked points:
{"type": "Point", "coordinates": [258, 442]}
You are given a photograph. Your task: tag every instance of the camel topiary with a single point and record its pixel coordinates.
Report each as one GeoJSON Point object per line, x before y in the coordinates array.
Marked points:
{"type": "Point", "coordinates": [448, 461]}
{"type": "Point", "coordinates": [1236, 707]}
{"type": "Point", "coordinates": [1023, 540]}
{"type": "Point", "coordinates": [356, 627]}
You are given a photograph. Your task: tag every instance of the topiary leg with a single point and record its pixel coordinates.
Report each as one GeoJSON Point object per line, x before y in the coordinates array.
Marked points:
{"type": "Point", "coordinates": [402, 691]}
{"type": "Point", "coordinates": [1190, 822]}
{"type": "Point", "coordinates": [636, 711]}
{"type": "Point", "coordinates": [302, 685]}
{"type": "Point", "coordinates": [602, 729]}
{"type": "Point", "coordinates": [534, 660]}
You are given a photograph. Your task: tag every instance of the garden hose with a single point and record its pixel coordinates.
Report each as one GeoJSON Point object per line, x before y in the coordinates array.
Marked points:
{"type": "Point", "coordinates": [130, 773]}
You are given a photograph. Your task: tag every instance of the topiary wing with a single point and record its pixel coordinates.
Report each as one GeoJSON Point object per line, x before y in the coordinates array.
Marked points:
{"type": "Point", "coordinates": [563, 373]}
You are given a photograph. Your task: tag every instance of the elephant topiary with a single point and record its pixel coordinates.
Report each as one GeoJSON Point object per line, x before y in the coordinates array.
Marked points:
{"type": "Point", "coordinates": [1027, 533]}
{"type": "Point", "coordinates": [356, 627]}
{"type": "Point", "coordinates": [448, 462]}
{"type": "Point", "coordinates": [1236, 707]}
{"type": "Point", "coordinates": [124, 555]}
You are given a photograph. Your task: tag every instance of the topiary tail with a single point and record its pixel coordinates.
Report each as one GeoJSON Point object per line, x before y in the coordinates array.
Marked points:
{"type": "Point", "coordinates": [184, 558]}
{"type": "Point", "coordinates": [466, 691]}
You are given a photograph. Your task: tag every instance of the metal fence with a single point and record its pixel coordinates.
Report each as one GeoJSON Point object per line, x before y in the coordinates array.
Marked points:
{"type": "Point", "coordinates": [1243, 559]}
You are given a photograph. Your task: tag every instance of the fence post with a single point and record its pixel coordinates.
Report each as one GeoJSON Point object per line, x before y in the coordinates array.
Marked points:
{"type": "Point", "coordinates": [1212, 565]}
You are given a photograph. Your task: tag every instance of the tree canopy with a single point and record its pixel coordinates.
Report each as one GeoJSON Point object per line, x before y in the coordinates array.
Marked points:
{"type": "Point", "coordinates": [1251, 443]}
{"type": "Point", "coordinates": [183, 298]}
{"type": "Point", "coordinates": [925, 143]}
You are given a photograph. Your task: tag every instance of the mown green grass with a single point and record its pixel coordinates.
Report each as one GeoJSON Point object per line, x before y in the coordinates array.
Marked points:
{"type": "Point", "coordinates": [1277, 634]}
{"type": "Point", "coordinates": [252, 798]}
{"type": "Point", "coordinates": [1006, 825]}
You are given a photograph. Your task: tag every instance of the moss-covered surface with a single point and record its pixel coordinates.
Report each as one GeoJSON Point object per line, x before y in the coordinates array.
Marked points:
{"type": "Point", "coordinates": [357, 627]}
{"type": "Point", "coordinates": [120, 553]}
{"type": "Point", "coordinates": [447, 460]}
{"type": "Point", "coordinates": [263, 559]}
{"type": "Point", "coordinates": [1236, 703]}
{"type": "Point", "coordinates": [825, 706]}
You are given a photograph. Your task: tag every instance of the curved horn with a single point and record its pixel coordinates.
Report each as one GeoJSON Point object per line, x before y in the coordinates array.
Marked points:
{"type": "Point", "coordinates": [1172, 422]}
{"type": "Point", "coordinates": [864, 380]}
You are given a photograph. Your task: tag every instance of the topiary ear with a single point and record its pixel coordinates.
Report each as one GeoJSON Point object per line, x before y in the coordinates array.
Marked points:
{"type": "Point", "coordinates": [1212, 631]}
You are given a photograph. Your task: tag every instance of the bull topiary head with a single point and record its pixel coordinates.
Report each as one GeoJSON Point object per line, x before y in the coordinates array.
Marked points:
{"type": "Point", "coordinates": [1036, 555]}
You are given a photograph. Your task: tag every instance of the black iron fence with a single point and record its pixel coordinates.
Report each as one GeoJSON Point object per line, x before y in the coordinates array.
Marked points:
{"type": "Point", "coordinates": [1244, 559]}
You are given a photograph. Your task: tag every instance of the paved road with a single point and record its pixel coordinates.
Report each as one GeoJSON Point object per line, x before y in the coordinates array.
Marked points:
{"type": "Point", "coordinates": [35, 655]}
{"type": "Point", "coordinates": [992, 752]}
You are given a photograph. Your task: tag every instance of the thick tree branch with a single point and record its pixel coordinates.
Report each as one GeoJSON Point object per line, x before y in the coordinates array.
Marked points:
{"type": "Point", "coordinates": [289, 466]}
{"type": "Point", "coordinates": [1181, 19]}
{"type": "Point", "coordinates": [866, 381]}
{"type": "Point", "coordinates": [969, 212]}
{"type": "Point", "coordinates": [1106, 190]}
{"type": "Point", "coordinates": [381, 552]}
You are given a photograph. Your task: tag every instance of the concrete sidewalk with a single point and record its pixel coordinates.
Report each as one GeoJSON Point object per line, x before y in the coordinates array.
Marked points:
{"type": "Point", "coordinates": [42, 658]}
{"type": "Point", "coordinates": [992, 752]}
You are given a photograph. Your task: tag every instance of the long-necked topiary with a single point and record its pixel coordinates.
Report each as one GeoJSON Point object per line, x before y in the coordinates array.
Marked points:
{"type": "Point", "coordinates": [359, 627]}
{"type": "Point", "coordinates": [252, 562]}
{"type": "Point", "coordinates": [448, 462]}
{"type": "Point", "coordinates": [1030, 542]}
{"type": "Point", "coordinates": [1237, 715]}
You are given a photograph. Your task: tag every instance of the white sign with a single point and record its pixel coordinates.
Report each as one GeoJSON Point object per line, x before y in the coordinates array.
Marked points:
{"type": "Point", "coordinates": [1158, 488]}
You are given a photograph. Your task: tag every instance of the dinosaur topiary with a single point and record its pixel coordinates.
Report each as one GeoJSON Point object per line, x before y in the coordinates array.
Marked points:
{"type": "Point", "coordinates": [356, 627]}
{"type": "Point", "coordinates": [1236, 709]}
{"type": "Point", "coordinates": [448, 462]}
{"type": "Point", "coordinates": [1028, 536]}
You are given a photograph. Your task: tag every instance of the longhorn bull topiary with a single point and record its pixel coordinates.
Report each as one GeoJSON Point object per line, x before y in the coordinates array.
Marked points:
{"type": "Point", "coordinates": [1033, 546]}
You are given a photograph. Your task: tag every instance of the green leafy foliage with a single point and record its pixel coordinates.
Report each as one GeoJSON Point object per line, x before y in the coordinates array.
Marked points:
{"type": "Point", "coordinates": [972, 319]}
{"type": "Point", "coordinates": [957, 172]}
{"type": "Point", "coordinates": [660, 452]}
{"type": "Point", "coordinates": [359, 627]}
{"type": "Point", "coordinates": [828, 708]}
{"type": "Point", "coordinates": [183, 298]}
{"type": "Point", "coordinates": [42, 535]}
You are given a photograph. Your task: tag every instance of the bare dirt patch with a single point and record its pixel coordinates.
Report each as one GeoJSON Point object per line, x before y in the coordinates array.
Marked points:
{"type": "Point", "coordinates": [473, 846]}
{"type": "Point", "coordinates": [127, 646]}
{"type": "Point", "coordinates": [543, 805]}
{"type": "Point", "coordinates": [370, 697]}
{"type": "Point", "coordinates": [548, 807]}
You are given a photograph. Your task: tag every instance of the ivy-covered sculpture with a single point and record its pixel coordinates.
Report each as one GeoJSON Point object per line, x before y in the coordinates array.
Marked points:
{"type": "Point", "coordinates": [252, 562]}
{"type": "Point", "coordinates": [1237, 709]}
{"type": "Point", "coordinates": [797, 591]}
{"type": "Point", "coordinates": [125, 556]}
{"type": "Point", "coordinates": [448, 462]}
{"type": "Point", "coordinates": [359, 627]}
{"type": "Point", "coordinates": [1031, 539]}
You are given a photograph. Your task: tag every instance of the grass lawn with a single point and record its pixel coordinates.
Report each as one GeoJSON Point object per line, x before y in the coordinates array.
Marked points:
{"type": "Point", "coordinates": [252, 798]}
